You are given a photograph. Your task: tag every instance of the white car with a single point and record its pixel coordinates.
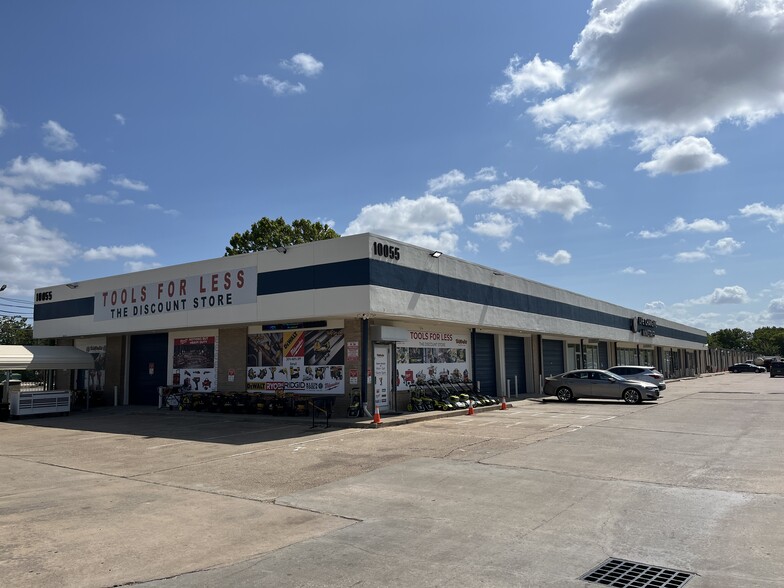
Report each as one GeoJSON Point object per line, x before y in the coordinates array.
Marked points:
{"type": "Point", "coordinates": [644, 373]}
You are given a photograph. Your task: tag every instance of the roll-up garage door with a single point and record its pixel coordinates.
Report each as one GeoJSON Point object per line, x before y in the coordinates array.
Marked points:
{"type": "Point", "coordinates": [514, 359]}
{"type": "Point", "coordinates": [552, 357]}
{"type": "Point", "coordinates": [484, 369]}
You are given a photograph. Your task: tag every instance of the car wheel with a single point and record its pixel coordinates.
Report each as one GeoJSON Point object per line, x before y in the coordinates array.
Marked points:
{"type": "Point", "coordinates": [632, 396]}
{"type": "Point", "coordinates": [564, 394]}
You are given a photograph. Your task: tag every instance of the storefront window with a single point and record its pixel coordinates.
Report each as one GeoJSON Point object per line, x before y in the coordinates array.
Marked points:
{"type": "Point", "coordinates": [591, 356]}
{"type": "Point", "coordinates": [572, 356]}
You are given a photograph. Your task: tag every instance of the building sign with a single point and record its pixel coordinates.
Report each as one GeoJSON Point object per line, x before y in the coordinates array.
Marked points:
{"type": "Point", "coordinates": [302, 362]}
{"type": "Point", "coordinates": [432, 355]}
{"type": "Point", "coordinates": [644, 326]}
{"type": "Point", "coordinates": [194, 364]}
{"type": "Point", "coordinates": [211, 290]}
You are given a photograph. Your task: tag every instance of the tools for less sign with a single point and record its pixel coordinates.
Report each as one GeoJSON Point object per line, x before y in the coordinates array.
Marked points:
{"type": "Point", "coordinates": [212, 290]}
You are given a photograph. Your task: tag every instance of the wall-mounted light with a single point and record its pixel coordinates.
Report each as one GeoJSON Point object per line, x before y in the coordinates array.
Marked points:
{"type": "Point", "coordinates": [497, 274]}
{"type": "Point", "coordinates": [3, 287]}
{"type": "Point", "coordinates": [73, 285]}
{"type": "Point", "coordinates": [281, 249]}
{"type": "Point", "coordinates": [436, 254]}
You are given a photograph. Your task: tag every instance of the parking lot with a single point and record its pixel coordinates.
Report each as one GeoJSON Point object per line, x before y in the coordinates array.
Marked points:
{"type": "Point", "coordinates": [535, 495]}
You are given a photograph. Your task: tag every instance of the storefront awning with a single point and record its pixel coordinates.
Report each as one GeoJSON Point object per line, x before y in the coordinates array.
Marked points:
{"type": "Point", "coordinates": [42, 357]}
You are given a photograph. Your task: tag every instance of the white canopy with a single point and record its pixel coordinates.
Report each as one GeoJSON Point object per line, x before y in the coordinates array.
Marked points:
{"type": "Point", "coordinates": [42, 357]}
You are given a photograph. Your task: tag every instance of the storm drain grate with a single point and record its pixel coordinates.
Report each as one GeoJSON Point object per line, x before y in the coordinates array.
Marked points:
{"type": "Point", "coordinates": [629, 574]}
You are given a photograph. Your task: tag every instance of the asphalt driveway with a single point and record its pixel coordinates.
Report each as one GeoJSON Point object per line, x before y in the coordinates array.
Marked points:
{"type": "Point", "coordinates": [533, 496]}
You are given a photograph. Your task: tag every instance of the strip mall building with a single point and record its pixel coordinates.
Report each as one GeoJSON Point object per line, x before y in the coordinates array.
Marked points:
{"type": "Point", "coordinates": [356, 315]}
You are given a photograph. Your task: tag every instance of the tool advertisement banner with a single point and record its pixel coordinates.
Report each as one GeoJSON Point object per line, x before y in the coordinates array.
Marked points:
{"type": "Point", "coordinates": [93, 379]}
{"type": "Point", "coordinates": [302, 362]}
{"type": "Point", "coordinates": [194, 364]}
{"type": "Point", "coordinates": [432, 355]}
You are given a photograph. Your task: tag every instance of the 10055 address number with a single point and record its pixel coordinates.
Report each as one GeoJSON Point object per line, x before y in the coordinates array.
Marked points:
{"type": "Point", "coordinates": [384, 250]}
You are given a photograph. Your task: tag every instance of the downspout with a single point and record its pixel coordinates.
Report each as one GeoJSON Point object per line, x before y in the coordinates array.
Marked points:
{"type": "Point", "coordinates": [363, 390]}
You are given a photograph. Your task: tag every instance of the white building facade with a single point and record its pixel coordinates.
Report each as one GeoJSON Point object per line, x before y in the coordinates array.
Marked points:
{"type": "Point", "coordinates": [361, 315]}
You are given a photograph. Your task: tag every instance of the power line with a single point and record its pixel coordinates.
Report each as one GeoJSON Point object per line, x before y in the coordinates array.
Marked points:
{"type": "Point", "coordinates": [17, 300]}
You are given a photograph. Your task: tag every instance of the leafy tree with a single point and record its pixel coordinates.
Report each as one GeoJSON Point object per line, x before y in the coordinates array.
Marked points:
{"type": "Point", "coordinates": [768, 340]}
{"type": "Point", "coordinates": [269, 234]}
{"type": "Point", "coordinates": [14, 330]}
{"type": "Point", "coordinates": [730, 339]}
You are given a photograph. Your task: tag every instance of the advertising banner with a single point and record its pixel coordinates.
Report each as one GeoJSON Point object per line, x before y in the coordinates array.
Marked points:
{"type": "Point", "coordinates": [302, 362]}
{"type": "Point", "coordinates": [432, 355]}
{"type": "Point", "coordinates": [194, 364]}
{"type": "Point", "coordinates": [95, 378]}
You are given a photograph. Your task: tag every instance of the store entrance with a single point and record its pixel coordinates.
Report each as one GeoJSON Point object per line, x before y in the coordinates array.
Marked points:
{"type": "Point", "coordinates": [147, 368]}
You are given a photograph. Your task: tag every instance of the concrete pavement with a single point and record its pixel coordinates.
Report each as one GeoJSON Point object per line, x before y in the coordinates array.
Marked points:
{"type": "Point", "coordinates": [533, 496]}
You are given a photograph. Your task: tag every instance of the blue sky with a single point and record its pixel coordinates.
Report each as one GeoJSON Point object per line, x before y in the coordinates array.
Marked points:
{"type": "Point", "coordinates": [626, 150]}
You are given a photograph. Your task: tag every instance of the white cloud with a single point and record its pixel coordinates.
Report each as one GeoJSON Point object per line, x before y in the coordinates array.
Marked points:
{"type": "Point", "coordinates": [603, 225]}
{"type": "Point", "coordinates": [775, 215]}
{"type": "Point", "coordinates": [486, 174]}
{"type": "Point", "coordinates": [560, 257]}
{"type": "Point", "coordinates": [494, 225]}
{"type": "Point", "coordinates": [159, 208]}
{"type": "Point", "coordinates": [691, 256]}
{"type": "Point", "coordinates": [537, 75]}
{"type": "Point", "coordinates": [304, 64]}
{"type": "Point", "coordinates": [504, 245]}
{"type": "Point", "coordinates": [450, 179]}
{"type": "Point", "coordinates": [775, 312]}
{"type": "Point", "coordinates": [119, 118]}
{"type": "Point", "coordinates": [662, 70]}
{"type": "Point", "coordinates": [527, 197]}
{"type": "Point", "coordinates": [472, 247]}
{"type": "Point", "coordinates": [700, 225]}
{"type": "Point", "coordinates": [105, 253]}
{"type": "Point", "coordinates": [426, 221]}
{"type": "Point", "coordinates": [16, 205]}
{"type": "Point", "coordinates": [124, 182]}
{"type": "Point", "coordinates": [724, 246]}
{"type": "Point", "coordinates": [645, 234]}
{"type": "Point", "coordinates": [726, 295]}
{"type": "Point", "coordinates": [633, 271]}
{"type": "Point", "coordinates": [57, 138]}
{"type": "Point", "coordinates": [690, 154]}
{"type": "Point", "coordinates": [278, 87]}
{"type": "Point", "coordinates": [110, 198]}
{"type": "Point", "coordinates": [33, 254]}
{"type": "Point", "coordinates": [137, 266]}
{"type": "Point", "coordinates": [719, 272]}
{"type": "Point", "coordinates": [38, 172]}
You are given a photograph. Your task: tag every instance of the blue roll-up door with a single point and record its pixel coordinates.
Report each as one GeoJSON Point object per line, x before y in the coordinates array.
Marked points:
{"type": "Point", "coordinates": [514, 360]}
{"type": "Point", "coordinates": [552, 357]}
{"type": "Point", "coordinates": [484, 368]}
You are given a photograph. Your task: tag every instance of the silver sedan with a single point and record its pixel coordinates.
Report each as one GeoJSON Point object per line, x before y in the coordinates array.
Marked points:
{"type": "Point", "coordinates": [576, 384]}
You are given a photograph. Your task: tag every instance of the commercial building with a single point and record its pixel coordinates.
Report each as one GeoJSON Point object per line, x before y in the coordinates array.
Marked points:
{"type": "Point", "coordinates": [362, 315]}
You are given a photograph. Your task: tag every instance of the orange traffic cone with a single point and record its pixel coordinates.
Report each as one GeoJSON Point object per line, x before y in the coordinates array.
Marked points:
{"type": "Point", "coordinates": [503, 402]}
{"type": "Point", "coordinates": [470, 407]}
{"type": "Point", "coordinates": [377, 417]}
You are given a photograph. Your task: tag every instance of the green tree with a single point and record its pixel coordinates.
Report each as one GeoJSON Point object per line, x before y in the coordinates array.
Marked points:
{"type": "Point", "coordinates": [14, 330]}
{"type": "Point", "coordinates": [768, 341]}
{"type": "Point", "coordinates": [730, 339]}
{"type": "Point", "coordinates": [269, 234]}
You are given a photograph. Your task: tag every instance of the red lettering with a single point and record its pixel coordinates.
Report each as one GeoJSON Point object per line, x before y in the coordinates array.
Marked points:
{"type": "Point", "coordinates": [182, 287]}
{"type": "Point", "coordinates": [170, 290]}
{"type": "Point", "coordinates": [214, 283]}
{"type": "Point", "coordinates": [144, 293]}
{"type": "Point", "coordinates": [124, 296]}
{"type": "Point", "coordinates": [227, 281]}
{"type": "Point", "coordinates": [114, 297]}
{"type": "Point", "coordinates": [160, 290]}
{"type": "Point", "coordinates": [202, 289]}
{"type": "Point", "coordinates": [105, 294]}
{"type": "Point", "coordinates": [240, 278]}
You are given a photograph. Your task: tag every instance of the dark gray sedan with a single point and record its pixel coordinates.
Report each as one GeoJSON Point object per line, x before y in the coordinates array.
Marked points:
{"type": "Point", "coordinates": [576, 384]}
